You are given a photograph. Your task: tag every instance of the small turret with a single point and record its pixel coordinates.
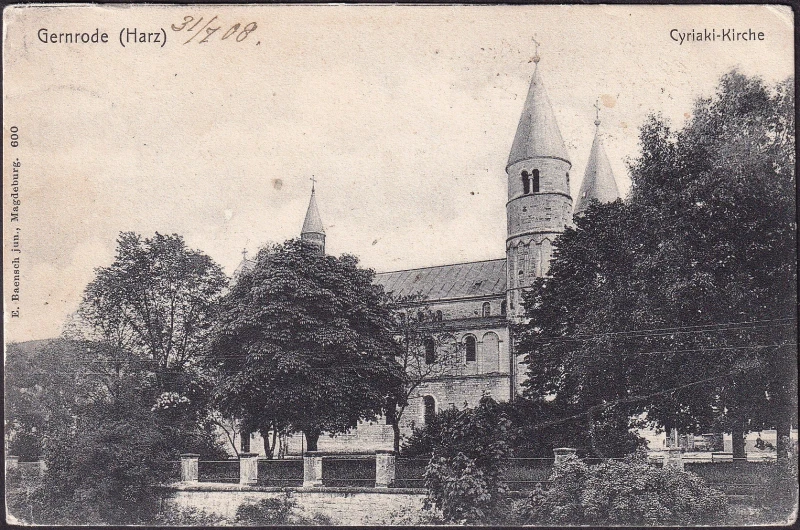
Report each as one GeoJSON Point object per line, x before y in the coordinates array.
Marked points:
{"type": "Point", "coordinates": [598, 180]}
{"type": "Point", "coordinates": [312, 231]}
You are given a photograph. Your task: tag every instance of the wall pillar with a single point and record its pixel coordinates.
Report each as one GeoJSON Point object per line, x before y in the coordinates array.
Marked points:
{"type": "Point", "coordinates": [42, 465]}
{"type": "Point", "coordinates": [12, 462]}
{"type": "Point", "coordinates": [673, 457]}
{"type": "Point", "coordinates": [384, 468]}
{"type": "Point", "coordinates": [248, 468]}
{"type": "Point", "coordinates": [561, 453]}
{"type": "Point", "coordinates": [312, 469]}
{"type": "Point", "coordinates": [189, 467]}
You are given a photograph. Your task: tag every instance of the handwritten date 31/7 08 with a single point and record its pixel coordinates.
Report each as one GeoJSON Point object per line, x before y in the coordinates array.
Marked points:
{"type": "Point", "coordinates": [196, 27]}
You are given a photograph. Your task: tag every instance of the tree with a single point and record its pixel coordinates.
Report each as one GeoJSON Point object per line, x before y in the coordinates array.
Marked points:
{"type": "Point", "coordinates": [425, 353]}
{"type": "Point", "coordinates": [680, 303]}
{"type": "Point", "coordinates": [463, 477]}
{"type": "Point", "coordinates": [304, 341]}
{"type": "Point", "coordinates": [155, 302]}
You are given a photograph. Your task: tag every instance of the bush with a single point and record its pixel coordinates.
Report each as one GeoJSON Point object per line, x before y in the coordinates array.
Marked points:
{"type": "Point", "coordinates": [423, 440]}
{"type": "Point", "coordinates": [276, 512]}
{"type": "Point", "coordinates": [624, 492]}
{"type": "Point", "coordinates": [463, 477]}
{"type": "Point", "coordinates": [173, 516]}
{"type": "Point", "coordinates": [780, 494]}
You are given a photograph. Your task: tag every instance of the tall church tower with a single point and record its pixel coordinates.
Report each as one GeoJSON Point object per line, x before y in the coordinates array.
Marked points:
{"type": "Point", "coordinates": [312, 231]}
{"type": "Point", "coordinates": [598, 180]}
{"type": "Point", "coordinates": [539, 204]}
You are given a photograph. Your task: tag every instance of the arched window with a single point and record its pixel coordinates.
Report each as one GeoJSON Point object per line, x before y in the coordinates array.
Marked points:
{"type": "Point", "coordinates": [503, 307]}
{"type": "Point", "coordinates": [526, 183]}
{"type": "Point", "coordinates": [430, 351]}
{"type": "Point", "coordinates": [420, 316]}
{"type": "Point", "coordinates": [470, 346]}
{"type": "Point", "coordinates": [487, 309]}
{"type": "Point", "coordinates": [439, 316]}
{"type": "Point", "coordinates": [535, 181]}
{"type": "Point", "coordinates": [429, 404]}
{"type": "Point", "coordinates": [568, 179]}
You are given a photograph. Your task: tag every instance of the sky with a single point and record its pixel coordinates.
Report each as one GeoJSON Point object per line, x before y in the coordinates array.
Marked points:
{"type": "Point", "coordinates": [405, 116]}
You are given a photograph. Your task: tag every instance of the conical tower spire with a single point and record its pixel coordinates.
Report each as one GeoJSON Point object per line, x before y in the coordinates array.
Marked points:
{"type": "Point", "coordinates": [598, 180]}
{"type": "Point", "coordinates": [312, 231]}
{"type": "Point", "coordinates": [538, 135]}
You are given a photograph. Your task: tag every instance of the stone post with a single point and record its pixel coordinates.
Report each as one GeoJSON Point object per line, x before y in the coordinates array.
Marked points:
{"type": "Point", "coordinates": [561, 453]}
{"type": "Point", "coordinates": [312, 469]}
{"type": "Point", "coordinates": [248, 468]}
{"type": "Point", "coordinates": [189, 467]}
{"type": "Point", "coordinates": [12, 462]}
{"type": "Point", "coordinates": [384, 468]}
{"type": "Point", "coordinates": [42, 465]}
{"type": "Point", "coordinates": [673, 457]}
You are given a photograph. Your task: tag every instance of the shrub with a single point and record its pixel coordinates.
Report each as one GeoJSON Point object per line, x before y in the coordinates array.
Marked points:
{"type": "Point", "coordinates": [423, 440]}
{"type": "Point", "coordinates": [276, 512]}
{"type": "Point", "coordinates": [463, 477]}
{"type": "Point", "coordinates": [173, 516]}
{"type": "Point", "coordinates": [780, 494]}
{"type": "Point", "coordinates": [629, 492]}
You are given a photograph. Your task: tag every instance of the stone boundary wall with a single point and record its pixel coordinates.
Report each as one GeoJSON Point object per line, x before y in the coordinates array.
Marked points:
{"type": "Point", "coordinates": [344, 506]}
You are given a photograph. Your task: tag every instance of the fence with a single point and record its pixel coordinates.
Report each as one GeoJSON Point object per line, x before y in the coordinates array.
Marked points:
{"type": "Point", "coordinates": [383, 469]}
{"type": "Point", "coordinates": [280, 473]}
{"type": "Point", "coordinates": [218, 470]}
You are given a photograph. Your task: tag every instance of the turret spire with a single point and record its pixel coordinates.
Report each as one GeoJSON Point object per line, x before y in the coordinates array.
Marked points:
{"type": "Point", "coordinates": [598, 180]}
{"type": "Point", "coordinates": [313, 231]}
{"type": "Point", "coordinates": [538, 135]}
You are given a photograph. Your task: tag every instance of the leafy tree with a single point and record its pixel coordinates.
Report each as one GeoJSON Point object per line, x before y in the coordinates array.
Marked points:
{"type": "Point", "coordinates": [155, 302]}
{"type": "Point", "coordinates": [680, 302]}
{"type": "Point", "coordinates": [463, 477]}
{"type": "Point", "coordinates": [305, 341]}
{"type": "Point", "coordinates": [416, 331]}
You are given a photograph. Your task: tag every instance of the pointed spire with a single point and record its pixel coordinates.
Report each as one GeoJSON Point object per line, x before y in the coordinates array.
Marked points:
{"type": "Point", "coordinates": [313, 222]}
{"type": "Point", "coordinates": [312, 231]}
{"type": "Point", "coordinates": [538, 135]}
{"type": "Point", "coordinates": [598, 180]}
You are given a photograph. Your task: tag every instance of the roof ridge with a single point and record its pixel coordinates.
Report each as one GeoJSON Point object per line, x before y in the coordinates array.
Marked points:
{"type": "Point", "coordinates": [440, 266]}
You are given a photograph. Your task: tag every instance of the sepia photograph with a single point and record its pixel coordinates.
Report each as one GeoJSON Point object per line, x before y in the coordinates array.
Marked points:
{"type": "Point", "coordinates": [399, 265]}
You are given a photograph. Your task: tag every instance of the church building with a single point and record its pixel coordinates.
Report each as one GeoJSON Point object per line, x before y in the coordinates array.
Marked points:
{"type": "Point", "coordinates": [469, 307]}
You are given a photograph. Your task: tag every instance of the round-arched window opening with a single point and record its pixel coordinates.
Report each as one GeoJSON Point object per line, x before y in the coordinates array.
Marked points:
{"type": "Point", "coordinates": [429, 406]}
{"type": "Point", "coordinates": [470, 346]}
{"type": "Point", "coordinates": [430, 351]}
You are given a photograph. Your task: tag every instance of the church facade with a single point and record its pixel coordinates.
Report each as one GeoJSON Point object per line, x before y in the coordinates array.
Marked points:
{"type": "Point", "coordinates": [469, 307]}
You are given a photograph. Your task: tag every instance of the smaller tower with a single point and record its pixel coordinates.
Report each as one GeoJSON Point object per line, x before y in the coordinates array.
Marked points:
{"type": "Point", "coordinates": [598, 180]}
{"type": "Point", "coordinates": [312, 231]}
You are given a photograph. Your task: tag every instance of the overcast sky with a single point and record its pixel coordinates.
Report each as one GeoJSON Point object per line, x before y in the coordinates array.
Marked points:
{"type": "Point", "coordinates": [405, 115]}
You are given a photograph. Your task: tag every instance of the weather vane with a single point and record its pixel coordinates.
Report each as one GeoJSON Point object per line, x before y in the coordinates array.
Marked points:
{"type": "Point", "coordinates": [536, 52]}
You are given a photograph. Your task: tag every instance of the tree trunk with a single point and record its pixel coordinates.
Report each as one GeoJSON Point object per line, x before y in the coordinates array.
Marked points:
{"type": "Point", "coordinates": [737, 441]}
{"type": "Point", "coordinates": [396, 430]}
{"type": "Point", "coordinates": [311, 439]}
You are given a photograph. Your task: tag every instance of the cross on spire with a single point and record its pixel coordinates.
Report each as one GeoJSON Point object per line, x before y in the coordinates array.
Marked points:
{"type": "Point", "coordinates": [244, 253]}
{"type": "Point", "coordinates": [597, 112]}
{"type": "Point", "coordinates": [536, 52]}
{"type": "Point", "coordinates": [313, 180]}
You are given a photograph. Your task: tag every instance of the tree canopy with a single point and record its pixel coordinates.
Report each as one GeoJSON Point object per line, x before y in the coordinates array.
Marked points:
{"type": "Point", "coordinates": [304, 341]}
{"type": "Point", "coordinates": [681, 302]}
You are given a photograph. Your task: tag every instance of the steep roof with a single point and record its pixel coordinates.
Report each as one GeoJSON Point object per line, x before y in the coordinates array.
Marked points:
{"type": "Point", "coordinates": [598, 180]}
{"type": "Point", "coordinates": [538, 134]}
{"type": "Point", "coordinates": [462, 280]}
{"type": "Point", "coordinates": [313, 222]}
